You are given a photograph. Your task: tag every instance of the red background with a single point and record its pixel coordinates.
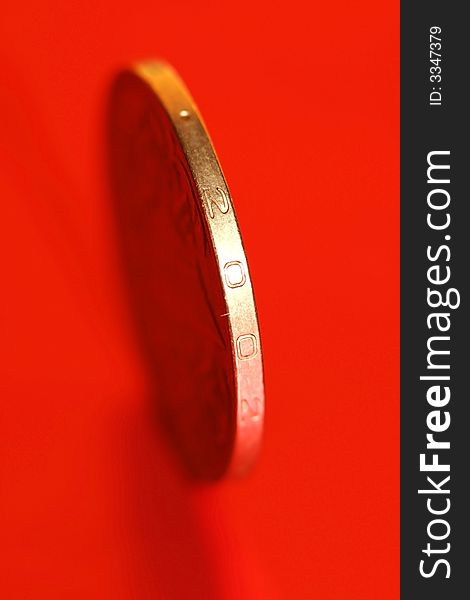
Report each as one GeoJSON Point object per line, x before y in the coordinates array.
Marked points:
{"type": "Point", "coordinates": [301, 100]}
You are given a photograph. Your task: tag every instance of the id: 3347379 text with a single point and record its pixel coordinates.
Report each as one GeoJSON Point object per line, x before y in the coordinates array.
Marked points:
{"type": "Point", "coordinates": [435, 68]}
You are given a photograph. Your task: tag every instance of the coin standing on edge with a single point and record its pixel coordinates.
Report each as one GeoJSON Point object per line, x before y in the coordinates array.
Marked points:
{"type": "Point", "coordinates": [188, 275]}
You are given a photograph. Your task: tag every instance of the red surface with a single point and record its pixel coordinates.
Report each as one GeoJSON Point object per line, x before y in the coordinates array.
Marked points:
{"type": "Point", "coordinates": [301, 100]}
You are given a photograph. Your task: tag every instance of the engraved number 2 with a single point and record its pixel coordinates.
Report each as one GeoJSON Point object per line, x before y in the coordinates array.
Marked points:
{"type": "Point", "coordinates": [251, 410]}
{"type": "Point", "coordinates": [220, 201]}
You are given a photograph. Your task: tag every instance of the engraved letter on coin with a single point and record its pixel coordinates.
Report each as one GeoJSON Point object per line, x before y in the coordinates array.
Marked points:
{"type": "Point", "coordinates": [219, 198]}
{"type": "Point", "coordinates": [234, 274]}
{"type": "Point", "coordinates": [251, 409]}
{"type": "Point", "coordinates": [247, 346]}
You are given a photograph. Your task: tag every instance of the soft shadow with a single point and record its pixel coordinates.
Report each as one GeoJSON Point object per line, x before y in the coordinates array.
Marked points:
{"type": "Point", "coordinates": [171, 557]}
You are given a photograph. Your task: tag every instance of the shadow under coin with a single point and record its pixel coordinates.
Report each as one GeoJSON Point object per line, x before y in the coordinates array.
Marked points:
{"type": "Point", "coordinates": [169, 273]}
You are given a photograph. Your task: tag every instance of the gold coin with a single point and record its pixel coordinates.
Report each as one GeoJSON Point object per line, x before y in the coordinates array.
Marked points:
{"type": "Point", "coordinates": [188, 274]}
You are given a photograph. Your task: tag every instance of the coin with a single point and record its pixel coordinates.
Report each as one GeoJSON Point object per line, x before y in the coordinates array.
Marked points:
{"type": "Point", "coordinates": [188, 275]}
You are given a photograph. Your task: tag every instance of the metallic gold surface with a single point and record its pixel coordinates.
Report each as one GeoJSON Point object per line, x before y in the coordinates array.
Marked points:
{"type": "Point", "coordinates": [188, 271]}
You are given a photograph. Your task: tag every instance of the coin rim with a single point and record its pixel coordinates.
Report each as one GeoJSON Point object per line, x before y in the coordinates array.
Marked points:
{"type": "Point", "coordinates": [227, 244]}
